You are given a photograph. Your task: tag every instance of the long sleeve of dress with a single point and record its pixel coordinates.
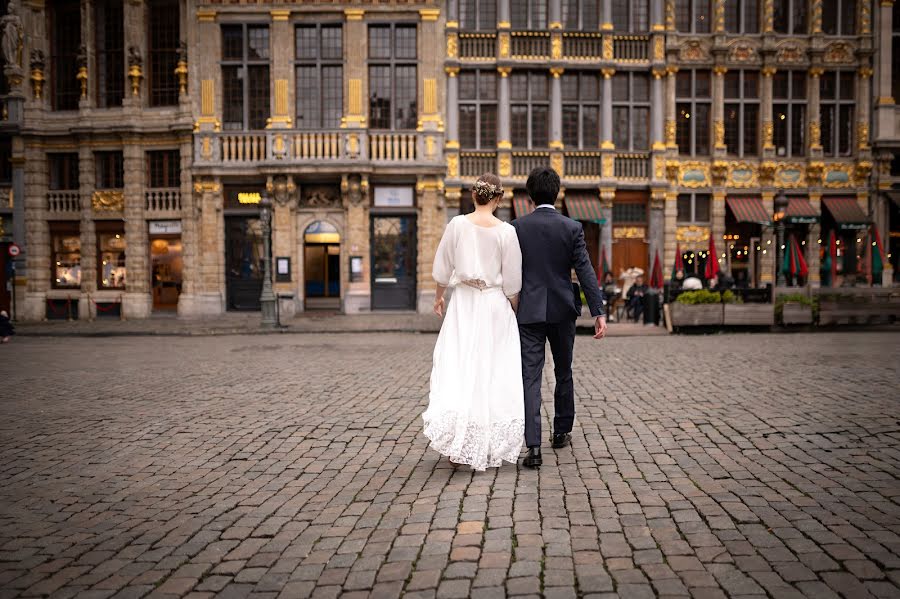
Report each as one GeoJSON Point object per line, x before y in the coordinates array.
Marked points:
{"type": "Point", "coordinates": [442, 270]}
{"type": "Point", "coordinates": [511, 264]}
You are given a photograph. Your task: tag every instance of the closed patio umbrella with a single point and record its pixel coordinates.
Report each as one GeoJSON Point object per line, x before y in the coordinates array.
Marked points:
{"type": "Point", "coordinates": [656, 275]}
{"type": "Point", "coordinates": [679, 261]}
{"type": "Point", "coordinates": [877, 254]}
{"type": "Point", "coordinates": [712, 261]}
{"type": "Point", "coordinates": [794, 264]}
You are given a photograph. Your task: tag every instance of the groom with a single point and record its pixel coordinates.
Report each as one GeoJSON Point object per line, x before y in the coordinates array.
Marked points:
{"type": "Point", "coordinates": [552, 245]}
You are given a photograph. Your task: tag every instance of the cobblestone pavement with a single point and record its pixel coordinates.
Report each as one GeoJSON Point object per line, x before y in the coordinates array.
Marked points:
{"type": "Point", "coordinates": [293, 465]}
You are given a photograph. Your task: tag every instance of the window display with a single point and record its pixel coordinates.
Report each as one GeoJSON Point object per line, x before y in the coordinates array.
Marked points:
{"type": "Point", "coordinates": [65, 244]}
{"type": "Point", "coordinates": [111, 256]}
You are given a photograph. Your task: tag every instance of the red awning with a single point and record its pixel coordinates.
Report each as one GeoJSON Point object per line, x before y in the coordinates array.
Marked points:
{"type": "Point", "coordinates": [799, 210]}
{"type": "Point", "coordinates": [846, 213]}
{"type": "Point", "coordinates": [749, 210]}
{"type": "Point", "coordinates": [522, 205]}
{"type": "Point", "coordinates": [585, 208]}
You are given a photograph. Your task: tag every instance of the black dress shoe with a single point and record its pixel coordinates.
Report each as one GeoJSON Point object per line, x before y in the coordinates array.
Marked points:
{"type": "Point", "coordinates": [560, 440]}
{"type": "Point", "coordinates": [533, 459]}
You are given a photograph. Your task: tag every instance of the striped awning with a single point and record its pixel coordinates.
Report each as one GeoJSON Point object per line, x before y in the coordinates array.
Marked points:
{"type": "Point", "coordinates": [522, 205]}
{"type": "Point", "coordinates": [749, 210]}
{"type": "Point", "coordinates": [895, 197]}
{"type": "Point", "coordinates": [846, 213]}
{"type": "Point", "coordinates": [800, 211]}
{"type": "Point", "coordinates": [585, 209]}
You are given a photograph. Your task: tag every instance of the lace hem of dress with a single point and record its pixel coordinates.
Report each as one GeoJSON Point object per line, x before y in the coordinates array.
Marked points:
{"type": "Point", "coordinates": [474, 444]}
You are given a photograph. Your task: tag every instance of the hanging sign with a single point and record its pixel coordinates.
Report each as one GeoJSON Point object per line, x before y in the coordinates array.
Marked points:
{"type": "Point", "coordinates": [394, 197]}
{"type": "Point", "coordinates": [165, 227]}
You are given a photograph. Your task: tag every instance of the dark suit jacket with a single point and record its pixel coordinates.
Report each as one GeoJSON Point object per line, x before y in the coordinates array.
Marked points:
{"type": "Point", "coordinates": [552, 245]}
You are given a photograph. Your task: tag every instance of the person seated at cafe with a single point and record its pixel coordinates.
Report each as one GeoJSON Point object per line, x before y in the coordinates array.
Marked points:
{"type": "Point", "coordinates": [692, 283]}
{"type": "Point", "coordinates": [723, 282]}
{"type": "Point", "coordinates": [635, 298]}
{"type": "Point", "coordinates": [610, 291]}
{"type": "Point", "coordinates": [740, 280]}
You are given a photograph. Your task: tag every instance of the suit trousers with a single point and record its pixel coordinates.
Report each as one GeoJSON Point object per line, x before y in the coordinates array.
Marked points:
{"type": "Point", "coordinates": [533, 338]}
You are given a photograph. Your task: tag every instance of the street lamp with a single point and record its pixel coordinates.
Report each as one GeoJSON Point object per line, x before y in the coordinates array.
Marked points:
{"type": "Point", "coordinates": [267, 297]}
{"type": "Point", "coordinates": [781, 203]}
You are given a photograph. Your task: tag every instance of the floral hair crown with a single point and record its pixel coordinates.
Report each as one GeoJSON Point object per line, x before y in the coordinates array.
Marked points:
{"type": "Point", "coordinates": [486, 190]}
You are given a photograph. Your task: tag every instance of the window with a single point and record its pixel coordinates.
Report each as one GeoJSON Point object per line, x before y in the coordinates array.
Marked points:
{"type": "Point", "coordinates": [478, 109]}
{"type": "Point", "coordinates": [693, 101]}
{"type": "Point", "coordinates": [65, 38]}
{"type": "Point", "coordinates": [110, 38]}
{"type": "Point", "coordinates": [528, 14]}
{"type": "Point", "coordinates": [839, 17]}
{"type": "Point", "coordinates": [693, 208]}
{"type": "Point", "coordinates": [631, 111]}
{"type": "Point", "coordinates": [109, 169]}
{"type": "Point", "coordinates": [692, 16]}
{"type": "Point", "coordinates": [895, 52]}
{"type": "Point", "coordinates": [163, 39]}
{"type": "Point", "coordinates": [742, 112]}
{"type": "Point", "coordinates": [5, 160]}
{"type": "Point", "coordinates": [581, 110]}
{"type": "Point", "coordinates": [790, 16]}
{"type": "Point", "coordinates": [164, 168]}
{"type": "Point", "coordinates": [836, 104]}
{"type": "Point", "coordinates": [392, 77]}
{"type": "Point", "coordinates": [63, 171]}
{"type": "Point", "coordinates": [581, 14]}
{"type": "Point", "coordinates": [629, 212]}
{"type": "Point", "coordinates": [65, 255]}
{"type": "Point", "coordinates": [477, 15]}
{"type": "Point", "coordinates": [320, 76]}
{"type": "Point", "coordinates": [245, 76]}
{"type": "Point", "coordinates": [789, 112]}
{"type": "Point", "coordinates": [110, 254]}
{"type": "Point", "coordinates": [529, 109]}
{"type": "Point", "coordinates": [742, 16]}
{"type": "Point", "coordinates": [632, 17]}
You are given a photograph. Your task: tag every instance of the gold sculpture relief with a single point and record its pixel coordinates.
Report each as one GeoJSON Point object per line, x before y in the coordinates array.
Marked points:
{"type": "Point", "coordinates": [673, 170]}
{"type": "Point", "coordinates": [862, 134]}
{"type": "Point", "coordinates": [452, 41]}
{"type": "Point", "coordinates": [768, 129]}
{"type": "Point", "coordinates": [865, 18]}
{"type": "Point", "coordinates": [692, 234]}
{"type": "Point", "coordinates": [556, 162]}
{"type": "Point", "coordinates": [556, 46]}
{"type": "Point", "coordinates": [453, 165]}
{"type": "Point", "coordinates": [719, 22]}
{"type": "Point", "coordinates": [37, 73]}
{"type": "Point", "coordinates": [108, 200]}
{"type": "Point", "coordinates": [608, 166]}
{"type": "Point", "coordinates": [769, 16]}
{"type": "Point", "coordinates": [814, 172]}
{"type": "Point", "coordinates": [767, 173]}
{"type": "Point", "coordinates": [816, 17]}
{"type": "Point", "coordinates": [839, 52]}
{"type": "Point", "coordinates": [659, 48]}
{"type": "Point", "coordinates": [692, 173]}
{"type": "Point", "coordinates": [504, 164]}
{"type": "Point", "coordinates": [629, 232]}
{"type": "Point", "coordinates": [862, 172]}
{"type": "Point", "coordinates": [670, 15]}
{"type": "Point", "coordinates": [503, 38]}
{"type": "Point", "coordinates": [719, 134]}
{"type": "Point", "coordinates": [607, 47]}
{"type": "Point", "coordinates": [815, 136]}
{"type": "Point", "coordinates": [719, 172]}
{"type": "Point", "coordinates": [670, 134]}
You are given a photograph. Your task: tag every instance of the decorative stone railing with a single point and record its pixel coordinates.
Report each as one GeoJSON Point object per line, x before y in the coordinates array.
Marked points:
{"type": "Point", "coordinates": [162, 200]}
{"type": "Point", "coordinates": [524, 162]}
{"type": "Point", "coordinates": [64, 201]}
{"type": "Point", "coordinates": [631, 47]}
{"type": "Point", "coordinates": [530, 45]}
{"type": "Point", "coordinates": [582, 165]}
{"type": "Point", "coordinates": [243, 147]}
{"type": "Point", "coordinates": [577, 45]}
{"type": "Point", "coordinates": [477, 46]}
{"type": "Point", "coordinates": [632, 165]}
{"type": "Point", "coordinates": [398, 147]}
{"type": "Point", "coordinates": [474, 164]}
{"type": "Point", "coordinates": [306, 148]}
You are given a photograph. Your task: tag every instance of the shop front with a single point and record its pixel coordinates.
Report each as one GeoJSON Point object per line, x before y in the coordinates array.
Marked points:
{"type": "Point", "coordinates": [243, 249]}
{"type": "Point", "coordinates": [166, 263]}
{"type": "Point", "coordinates": [845, 222]}
{"type": "Point", "coordinates": [745, 219]}
{"type": "Point", "coordinates": [583, 205]}
{"type": "Point", "coordinates": [394, 248]}
{"type": "Point", "coordinates": [322, 266]}
{"type": "Point", "coordinates": [801, 221]}
{"type": "Point", "coordinates": [630, 242]}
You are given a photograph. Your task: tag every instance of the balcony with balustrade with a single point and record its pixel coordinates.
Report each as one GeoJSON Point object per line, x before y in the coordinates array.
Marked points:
{"type": "Point", "coordinates": [352, 148]}
{"type": "Point", "coordinates": [162, 202]}
{"type": "Point", "coordinates": [63, 203]}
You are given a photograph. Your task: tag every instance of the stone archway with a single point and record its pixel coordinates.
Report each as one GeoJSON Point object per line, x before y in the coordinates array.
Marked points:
{"type": "Point", "coordinates": [320, 261]}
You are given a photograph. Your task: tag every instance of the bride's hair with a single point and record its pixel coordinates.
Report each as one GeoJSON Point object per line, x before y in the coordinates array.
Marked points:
{"type": "Point", "coordinates": [487, 188]}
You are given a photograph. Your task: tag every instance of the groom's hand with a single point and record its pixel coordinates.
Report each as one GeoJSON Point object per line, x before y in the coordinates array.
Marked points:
{"type": "Point", "coordinates": [600, 327]}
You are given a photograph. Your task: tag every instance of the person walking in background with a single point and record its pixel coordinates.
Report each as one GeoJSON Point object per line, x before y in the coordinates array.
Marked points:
{"type": "Point", "coordinates": [6, 327]}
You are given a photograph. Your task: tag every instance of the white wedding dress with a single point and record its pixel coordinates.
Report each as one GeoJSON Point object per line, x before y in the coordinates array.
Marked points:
{"type": "Point", "coordinates": [476, 408]}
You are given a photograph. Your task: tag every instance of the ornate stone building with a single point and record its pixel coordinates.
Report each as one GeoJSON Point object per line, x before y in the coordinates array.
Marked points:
{"type": "Point", "coordinates": [141, 135]}
{"type": "Point", "coordinates": [886, 123]}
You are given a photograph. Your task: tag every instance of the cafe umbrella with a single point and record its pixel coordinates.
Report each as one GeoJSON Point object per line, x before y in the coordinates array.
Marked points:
{"type": "Point", "coordinates": [656, 275]}
{"type": "Point", "coordinates": [712, 261]}
{"type": "Point", "coordinates": [679, 261]}
{"type": "Point", "coordinates": [877, 253]}
{"type": "Point", "coordinates": [794, 264]}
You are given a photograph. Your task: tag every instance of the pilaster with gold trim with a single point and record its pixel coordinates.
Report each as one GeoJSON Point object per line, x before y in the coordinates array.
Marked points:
{"type": "Point", "coordinates": [718, 108]}
{"type": "Point", "coordinates": [768, 125]}
{"type": "Point", "coordinates": [355, 75]}
{"type": "Point", "coordinates": [814, 129]}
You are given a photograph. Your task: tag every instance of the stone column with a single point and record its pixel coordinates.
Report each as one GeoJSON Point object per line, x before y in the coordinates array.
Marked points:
{"type": "Point", "coordinates": [556, 108]}
{"type": "Point", "coordinates": [138, 302]}
{"type": "Point", "coordinates": [430, 228]}
{"type": "Point", "coordinates": [657, 17]}
{"type": "Point", "coordinates": [814, 139]}
{"type": "Point", "coordinates": [356, 74]}
{"type": "Point", "coordinates": [767, 253]}
{"type": "Point", "coordinates": [89, 75]}
{"type": "Point", "coordinates": [503, 131]}
{"type": "Point", "coordinates": [18, 191]}
{"type": "Point", "coordinates": [606, 136]}
{"type": "Point", "coordinates": [670, 231]}
{"type": "Point", "coordinates": [282, 70]}
{"type": "Point", "coordinates": [885, 103]}
{"type": "Point", "coordinates": [135, 37]}
{"type": "Point", "coordinates": [657, 110]}
{"type": "Point", "coordinates": [37, 235]}
{"type": "Point", "coordinates": [718, 108]}
{"type": "Point", "coordinates": [863, 104]}
{"type": "Point", "coordinates": [717, 224]}
{"type": "Point", "coordinates": [452, 11]}
{"type": "Point", "coordinates": [355, 196]}
{"type": "Point", "coordinates": [606, 14]}
{"type": "Point", "coordinates": [284, 238]}
{"type": "Point", "coordinates": [813, 244]}
{"type": "Point", "coordinates": [656, 235]}
{"type": "Point", "coordinates": [671, 126]}
{"type": "Point", "coordinates": [768, 126]}
{"type": "Point", "coordinates": [209, 299]}
{"type": "Point", "coordinates": [205, 79]}
{"type": "Point", "coordinates": [453, 107]}
{"type": "Point", "coordinates": [718, 7]}
{"type": "Point", "coordinates": [554, 14]}
{"type": "Point", "coordinates": [190, 237]}
{"type": "Point", "coordinates": [87, 184]}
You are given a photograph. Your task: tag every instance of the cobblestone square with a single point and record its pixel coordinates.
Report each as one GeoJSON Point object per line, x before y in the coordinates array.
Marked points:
{"type": "Point", "coordinates": [294, 466]}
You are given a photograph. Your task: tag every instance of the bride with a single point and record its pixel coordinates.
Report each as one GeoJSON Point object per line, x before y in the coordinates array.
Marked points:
{"type": "Point", "coordinates": [476, 410]}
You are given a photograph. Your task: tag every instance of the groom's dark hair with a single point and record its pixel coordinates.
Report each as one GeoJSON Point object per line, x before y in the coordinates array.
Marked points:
{"type": "Point", "coordinates": [543, 185]}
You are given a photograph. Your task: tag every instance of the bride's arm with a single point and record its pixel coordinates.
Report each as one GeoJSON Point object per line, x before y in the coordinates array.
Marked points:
{"type": "Point", "coordinates": [514, 302]}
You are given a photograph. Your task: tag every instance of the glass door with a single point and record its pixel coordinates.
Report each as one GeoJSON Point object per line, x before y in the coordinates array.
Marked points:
{"type": "Point", "coordinates": [394, 262]}
{"type": "Point", "coordinates": [243, 262]}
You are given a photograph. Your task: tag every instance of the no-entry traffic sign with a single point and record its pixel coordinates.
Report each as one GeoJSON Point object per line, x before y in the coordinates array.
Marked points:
{"type": "Point", "coordinates": [14, 250]}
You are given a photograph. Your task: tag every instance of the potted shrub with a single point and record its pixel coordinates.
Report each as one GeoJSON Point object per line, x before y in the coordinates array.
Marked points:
{"type": "Point", "coordinates": [697, 308]}
{"type": "Point", "coordinates": [736, 312]}
{"type": "Point", "coordinates": [794, 308]}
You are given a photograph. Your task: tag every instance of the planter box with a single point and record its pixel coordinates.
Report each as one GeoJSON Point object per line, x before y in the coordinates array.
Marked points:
{"type": "Point", "coordinates": [749, 315]}
{"type": "Point", "coordinates": [685, 315]}
{"type": "Point", "coordinates": [843, 312]}
{"type": "Point", "coordinates": [796, 313]}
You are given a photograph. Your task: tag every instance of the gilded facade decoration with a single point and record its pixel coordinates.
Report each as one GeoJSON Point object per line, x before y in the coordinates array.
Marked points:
{"type": "Point", "coordinates": [694, 174]}
{"type": "Point", "coordinates": [319, 196]}
{"type": "Point", "coordinates": [741, 174]}
{"type": "Point", "coordinates": [659, 48]}
{"type": "Point", "coordinates": [839, 52]}
{"type": "Point", "coordinates": [768, 131]}
{"type": "Point", "coordinates": [181, 68]}
{"type": "Point", "coordinates": [452, 164]}
{"type": "Point", "coordinates": [790, 52]}
{"type": "Point", "coordinates": [608, 165]}
{"type": "Point", "coordinates": [766, 173]}
{"type": "Point", "coordinates": [629, 233]}
{"type": "Point", "coordinates": [790, 175]}
{"type": "Point", "coordinates": [692, 234]}
{"type": "Point", "coordinates": [504, 164]}
{"type": "Point", "coordinates": [108, 200]}
{"type": "Point", "coordinates": [719, 172]}
{"type": "Point", "coordinates": [838, 175]}
{"type": "Point", "coordinates": [556, 162]}
{"type": "Point", "coordinates": [862, 134]}
{"type": "Point", "coordinates": [37, 74]}
{"type": "Point", "coordinates": [282, 189]}
{"type": "Point", "coordinates": [82, 75]}
{"type": "Point", "coordinates": [503, 38]}
{"type": "Point", "coordinates": [815, 171]}
{"type": "Point", "coordinates": [673, 171]}
{"type": "Point", "coordinates": [694, 51]}
{"type": "Point", "coordinates": [607, 47]}
{"type": "Point", "coordinates": [670, 134]}
{"type": "Point", "coordinates": [556, 46]}
{"type": "Point", "coordinates": [135, 69]}
{"type": "Point", "coordinates": [862, 172]}
{"type": "Point", "coordinates": [719, 134]}
{"type": "Point", "coordinates": [742, 51]}
{"type": "Point", "coordinates": [815, 135]}
{"type": "Point", "coordinates": [452, 45]}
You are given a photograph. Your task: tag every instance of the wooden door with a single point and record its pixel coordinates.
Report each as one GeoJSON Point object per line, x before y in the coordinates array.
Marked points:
{"type": "Point", "coordinates": [628, 253]}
